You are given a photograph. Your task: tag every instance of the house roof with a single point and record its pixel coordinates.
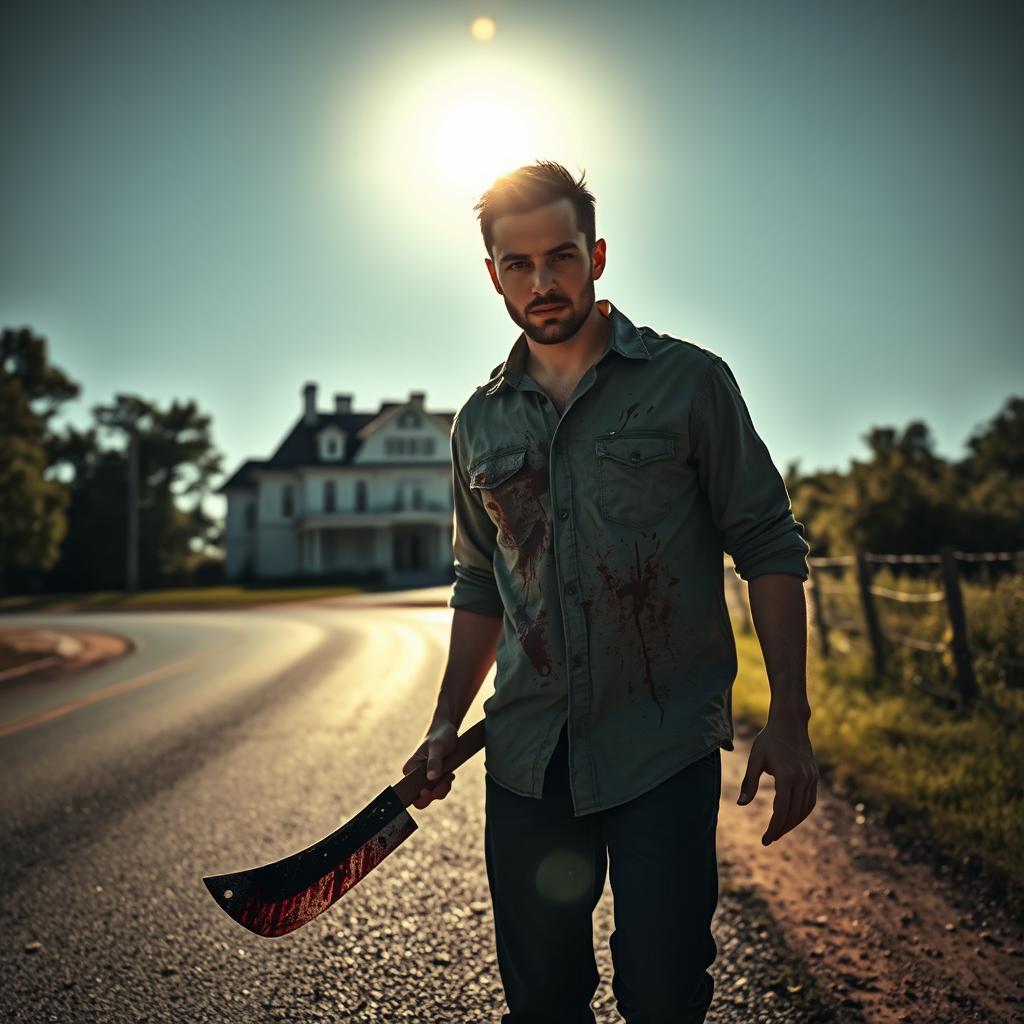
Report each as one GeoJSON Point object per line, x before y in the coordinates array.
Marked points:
{"type": "Point", "coordinates": [299, 447]}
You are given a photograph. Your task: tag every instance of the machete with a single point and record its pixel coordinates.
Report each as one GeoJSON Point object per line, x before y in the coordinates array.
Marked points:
{"type": "Point", "coordinates": [277, 898]}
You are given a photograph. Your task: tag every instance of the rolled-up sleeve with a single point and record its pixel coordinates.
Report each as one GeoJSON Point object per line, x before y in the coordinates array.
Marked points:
{"type": "Point", "coordinates": [473, 541]}
{"type": "Point", "coordinates": [747, 495]}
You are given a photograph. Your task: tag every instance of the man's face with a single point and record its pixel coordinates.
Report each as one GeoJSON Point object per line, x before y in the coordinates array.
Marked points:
{"type": "Point", "coordinates": [540, 265]}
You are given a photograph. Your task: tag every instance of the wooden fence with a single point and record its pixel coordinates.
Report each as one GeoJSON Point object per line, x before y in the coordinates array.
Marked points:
{"type": "Point", "coordinates": [868, 598]}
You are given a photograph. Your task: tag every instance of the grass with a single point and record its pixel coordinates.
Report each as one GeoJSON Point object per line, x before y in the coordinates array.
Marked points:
{"type": "Point", "coordinates": [908, 757]}
{"type": "Point", "coordinates": [171, 597]}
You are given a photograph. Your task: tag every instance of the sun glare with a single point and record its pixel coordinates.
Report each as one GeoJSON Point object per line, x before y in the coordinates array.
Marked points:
{"type": "Point", "coordinates": [453, 127]}
{"type": "Point", "coordinates": [482, 29]}
{"type": "Point", "coordinates": [465, 128]}
{"type": "Point", "coordinates": [476, 137]}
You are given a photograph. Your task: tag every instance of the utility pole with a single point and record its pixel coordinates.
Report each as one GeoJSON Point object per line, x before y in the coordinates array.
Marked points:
{"type": "Point", "coordinates": [131, 582]}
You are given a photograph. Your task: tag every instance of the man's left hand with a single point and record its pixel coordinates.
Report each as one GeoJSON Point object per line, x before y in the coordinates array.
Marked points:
{"type": "Point", "coordinates": [783, 750]}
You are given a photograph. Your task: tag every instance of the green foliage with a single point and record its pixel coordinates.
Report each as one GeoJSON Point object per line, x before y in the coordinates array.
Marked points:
{"type": "Point", "coordinates": [63, 494]}
{"type": "Point", "coordinates": [177, 461]}
{"type": "Point", "coordinates": [994, 609]}
{"type": "Point", "coordinates": [32, 506]}
{"type": "Point", "coordinates": [995, 630]}
{"type": "Point", "coordinates": [909, 759]}
{"type": "Point", "coordinates": [906, 499]}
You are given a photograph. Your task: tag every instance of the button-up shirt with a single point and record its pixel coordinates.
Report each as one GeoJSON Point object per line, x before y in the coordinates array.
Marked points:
{"type": "Point", "coordinates": [598, 537]}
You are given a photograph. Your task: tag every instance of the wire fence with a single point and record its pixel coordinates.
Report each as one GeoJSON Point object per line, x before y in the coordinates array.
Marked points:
{"type": "Point", "coordinates": [921, 603]}
{"type": "Point", "coordinates": [942, 620]}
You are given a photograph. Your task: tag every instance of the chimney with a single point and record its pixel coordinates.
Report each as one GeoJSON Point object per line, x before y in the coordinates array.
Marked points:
{"type": "Point", "coordinates": [342, 403]}
{"type": "Point", "coordinates": [309, 403]}
{"type": "Point", "coordinates": [417, 398]}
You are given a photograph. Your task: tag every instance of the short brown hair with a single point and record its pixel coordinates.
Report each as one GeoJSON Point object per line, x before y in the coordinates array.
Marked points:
{"type": "Point", "coordinates": [531, 186]}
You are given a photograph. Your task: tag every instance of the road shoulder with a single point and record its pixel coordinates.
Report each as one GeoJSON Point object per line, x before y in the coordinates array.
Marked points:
{"type": "Point", "coordinates": [881, 929]}
{"type": "Point", "coordinates": [42, 653]}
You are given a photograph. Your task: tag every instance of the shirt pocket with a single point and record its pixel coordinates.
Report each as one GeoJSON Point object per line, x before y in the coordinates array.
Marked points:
{"type": "Point", "coordinates": [634, 478]}
{"type": "Point", "coordinates": [496, 479]}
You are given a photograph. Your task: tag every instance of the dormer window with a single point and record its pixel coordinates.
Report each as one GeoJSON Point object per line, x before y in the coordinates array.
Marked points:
{"type": "Point", "coordinates": [409, 419]}
{"type": "Point", "coordinates": [331, 445]}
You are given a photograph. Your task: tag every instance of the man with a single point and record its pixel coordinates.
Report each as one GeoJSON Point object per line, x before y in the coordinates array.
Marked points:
{"type": "Point", "coordinates": [599, 474]}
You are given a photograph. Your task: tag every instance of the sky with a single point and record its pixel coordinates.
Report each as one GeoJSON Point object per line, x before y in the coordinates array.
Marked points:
{"type": "Point", "coordinates": [223, 201]}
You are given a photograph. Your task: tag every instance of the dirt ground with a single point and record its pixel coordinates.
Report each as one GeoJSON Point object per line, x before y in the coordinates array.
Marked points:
{"type": "Point", "coordinates": [52, 651]}
{"type": "Point", "coordinates": [892, 934]}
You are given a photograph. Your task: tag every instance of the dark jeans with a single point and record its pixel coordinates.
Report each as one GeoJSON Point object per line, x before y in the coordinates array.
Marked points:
{"type": "Point", "coordinates": [546, 871]}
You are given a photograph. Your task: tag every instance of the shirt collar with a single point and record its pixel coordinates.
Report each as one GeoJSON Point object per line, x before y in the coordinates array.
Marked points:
{"type": "Point", "coordinates": [625, 339]}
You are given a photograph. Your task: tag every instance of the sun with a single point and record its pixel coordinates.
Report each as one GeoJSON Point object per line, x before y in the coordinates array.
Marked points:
{"type": "Point", "coordinates": [482, 29]}
{"type": "Point", "coordinates": [475, 136]}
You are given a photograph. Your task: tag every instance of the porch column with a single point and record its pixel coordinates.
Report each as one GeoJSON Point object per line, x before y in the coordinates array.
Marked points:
{"type": "Point", "coordinates": [317, 561]}
{"type": "Point", "coordinates": [382, 558]}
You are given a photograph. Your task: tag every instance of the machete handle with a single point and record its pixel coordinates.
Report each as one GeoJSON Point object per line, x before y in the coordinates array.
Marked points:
{"type": "Point", "coordinates": [408, 788]}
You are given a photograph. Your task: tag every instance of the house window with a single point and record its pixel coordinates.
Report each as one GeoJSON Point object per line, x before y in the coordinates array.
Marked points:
{"type": "Point", "coordinates": [332, 446]}
{"type": "Point", "coordinates": [428, 446]}
{"type": "Point", "coordinates": [409, 419]}
{"type": "Point", "coordinates": [330, 496]}
{"type": "Point", "coordinates": [250, 515]}
{"type": "Point", "coordinates": [417, 496]}
{"type": "Point", "coordinates": [287, 501]}
{"type": "Point", "coordinates": [360, 495]}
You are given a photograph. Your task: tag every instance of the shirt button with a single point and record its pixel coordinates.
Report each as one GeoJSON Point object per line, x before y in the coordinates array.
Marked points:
{"type": "Point", "coordinates": [577, 660]}
{"type": "Point", "coordinates": [563, 514]}
{"type": "Point", "coordinates": [635, 456]}
{"type": "Point", "coordinates": [570, 588]}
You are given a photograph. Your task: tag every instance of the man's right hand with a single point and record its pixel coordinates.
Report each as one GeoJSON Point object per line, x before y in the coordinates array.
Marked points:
{"type": "Point", "coordinates": [441, 740]}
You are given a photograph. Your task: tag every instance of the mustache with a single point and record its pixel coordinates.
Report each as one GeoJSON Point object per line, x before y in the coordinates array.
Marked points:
{"type": "Point", "coordinates": [554, 300]}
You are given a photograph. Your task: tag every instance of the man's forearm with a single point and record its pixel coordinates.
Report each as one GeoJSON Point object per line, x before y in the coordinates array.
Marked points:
{"type": "Point", "coordinates": [471, 653]}
{"type": "Point", "coordinates": [779, 610]}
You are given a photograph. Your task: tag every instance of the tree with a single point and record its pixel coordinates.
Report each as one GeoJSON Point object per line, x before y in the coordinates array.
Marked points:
{"type": "Point", "coordinates": [990, 481]}
{"type": "Point", "coordinates": [177, 463]}
{"type": "Point", "coordinates": [32, 504]}
{"type": "Point", "coordinates": [904, 498]}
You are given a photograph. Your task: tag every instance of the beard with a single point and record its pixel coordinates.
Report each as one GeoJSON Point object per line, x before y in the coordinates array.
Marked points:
{"type": "Point", "coordinates": [559, 326]}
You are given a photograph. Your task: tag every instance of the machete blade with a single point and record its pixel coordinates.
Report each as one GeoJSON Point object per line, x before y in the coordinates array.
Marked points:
{"type": "Point", "coordinates": [277, 898]}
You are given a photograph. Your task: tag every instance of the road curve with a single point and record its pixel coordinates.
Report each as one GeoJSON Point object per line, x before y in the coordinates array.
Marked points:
{"type": "Point", "coordinates": [228, 739]}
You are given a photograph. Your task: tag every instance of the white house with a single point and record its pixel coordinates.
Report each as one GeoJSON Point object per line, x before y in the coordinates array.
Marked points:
{"type": "Point", "coordinates": [347, 492]}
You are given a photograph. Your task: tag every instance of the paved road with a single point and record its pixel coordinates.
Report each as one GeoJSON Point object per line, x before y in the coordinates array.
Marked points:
{"type": "Point", "coordinates": [228, 739]}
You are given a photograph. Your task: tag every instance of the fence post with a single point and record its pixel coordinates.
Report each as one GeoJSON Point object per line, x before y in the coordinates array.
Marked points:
{"type": "Point", "coordinates": [965, 680]}
{"type": "Point", "coordinates": [744, 594]}
{"type": "Point", "coordinates": [867, 601]}
{"type": "Point", "coordinates": [820, 623]}
{"type": "Point", "coordinates": [733, 582]}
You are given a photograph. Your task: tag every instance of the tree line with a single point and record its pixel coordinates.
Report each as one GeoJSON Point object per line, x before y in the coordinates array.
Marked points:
{"type": "Point", "coordinates": [64, 491]}
{"type": "Point", "coordinates": [904, 498]}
